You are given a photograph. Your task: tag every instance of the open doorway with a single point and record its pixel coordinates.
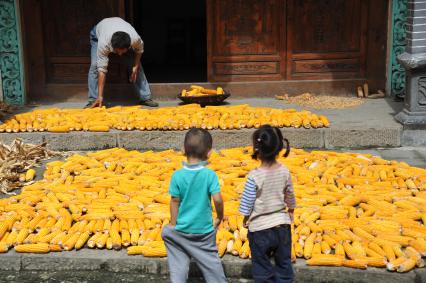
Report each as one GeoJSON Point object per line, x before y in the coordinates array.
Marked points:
{"type": "Point", "coordinates": [175, 37]}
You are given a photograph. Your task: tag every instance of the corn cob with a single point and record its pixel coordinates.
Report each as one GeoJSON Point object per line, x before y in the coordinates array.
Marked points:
{"type": "Point", "coordinates": [309, 245]}
{"type": "Point", "coordinates": [91, 243]}
{"type": "Point", "coordinates": [236, 248]}
{"type": "Point", "coordinates": [356, 263]}
{"type": "Point", "coordinates": [109, 243]}
{"type": "Point", "coordinates": [22, 235]}
{"type": "Point", "coordinates": [135, 250]}
{"type": "Point", "coordinates": [32, 248]}
{"type": "Point", "coordinates": [101, 241]}
{"type": "Point", "coordinates": [326, 260]}
{"type": "Point", "coordinates": [375, 261]}
{"type": "Point", "coordinates": [29, 175]}
{"type": "Point", "coordinates": [55, 248]}
{"type": "Point", "coordinates": [82, 240]}
{"type": "Point", "coordinates": [245, 250]}
{"type": "Point", "coordinates": [390, 254]}
{"type": "Point", "coordinates": [71, 242]}
{"type": "Point", "coordinates": [222, 247]}
{"type": "Point", "coordinates": [407, 265]}
{"type": "Point", "coordinates": [395, 263]}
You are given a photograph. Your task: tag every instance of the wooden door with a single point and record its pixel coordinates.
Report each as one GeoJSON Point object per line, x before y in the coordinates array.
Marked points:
{"type": "Point", "coordinates": [327, 38]}
{"type": "Point", "coordinates": [246, 39]}
{"type": "Point", "coordinates": [295, 39]}
{"type": "Point", "coordinates": [66, 27]}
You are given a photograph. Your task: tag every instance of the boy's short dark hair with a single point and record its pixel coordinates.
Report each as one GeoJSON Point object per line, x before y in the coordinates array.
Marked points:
{"type": "Point", "coordinates": [120, 39]}
{"type": "Point", "coordinates": [198, 143]}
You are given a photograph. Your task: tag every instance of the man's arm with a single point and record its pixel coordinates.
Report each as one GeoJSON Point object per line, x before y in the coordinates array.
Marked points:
{"type": "Point", "coordinates": [174, 209]}
{"type": "Point", "coordinates": [136, 66]}
{"type": "Point", "coordinates": [102, 65]}
{"type": "Point", "coordinates": [101, 85]}
{"type": "Point", "coordinates": [218, 204]}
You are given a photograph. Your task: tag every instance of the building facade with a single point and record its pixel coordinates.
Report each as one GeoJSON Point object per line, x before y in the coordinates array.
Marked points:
{"type": "Point", "coordinates": [335, 44]}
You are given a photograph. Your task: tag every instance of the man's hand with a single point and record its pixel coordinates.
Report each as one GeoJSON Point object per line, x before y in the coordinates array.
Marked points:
{"type": "Point", "coordinates": [98, 102]}
{"type": "Point", "coordinates": [134, 74]}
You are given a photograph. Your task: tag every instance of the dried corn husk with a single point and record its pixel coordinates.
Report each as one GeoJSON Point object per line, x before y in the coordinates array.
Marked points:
{"type": "Point", "coordinates": [16, 159]}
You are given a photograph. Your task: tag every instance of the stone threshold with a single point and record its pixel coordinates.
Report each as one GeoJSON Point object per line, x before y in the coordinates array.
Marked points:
{"type": "Point", "coordinates": [324, 138]}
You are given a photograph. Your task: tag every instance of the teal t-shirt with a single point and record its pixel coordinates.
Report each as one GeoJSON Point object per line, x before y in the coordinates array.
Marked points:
{"type": "Point", "coordinates": [194, 185]}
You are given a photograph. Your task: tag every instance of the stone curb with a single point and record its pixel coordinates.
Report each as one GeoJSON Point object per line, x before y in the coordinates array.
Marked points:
{"type": "Point", "coordinates": [113, 262]}
{"type": "Point", "coordinates": [328, 138]}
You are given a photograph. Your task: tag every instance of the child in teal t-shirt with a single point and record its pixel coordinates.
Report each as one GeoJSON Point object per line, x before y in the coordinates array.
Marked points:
{"type": "Point", "coordinates": [191, 233]}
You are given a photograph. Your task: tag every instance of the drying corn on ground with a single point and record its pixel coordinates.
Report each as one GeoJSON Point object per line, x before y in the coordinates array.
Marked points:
{"type": "Point", "coordinates": [353, 210]}
{"type": "Point", "coordinates": [167, 118]}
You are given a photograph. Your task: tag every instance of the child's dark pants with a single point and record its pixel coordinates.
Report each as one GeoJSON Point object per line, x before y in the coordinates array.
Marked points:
{"type": "Point", "coordinates": [275, 241]}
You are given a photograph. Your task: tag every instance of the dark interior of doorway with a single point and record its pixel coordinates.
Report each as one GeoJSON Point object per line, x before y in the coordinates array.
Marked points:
{"type": "Point", "coordinates": [175, 37]}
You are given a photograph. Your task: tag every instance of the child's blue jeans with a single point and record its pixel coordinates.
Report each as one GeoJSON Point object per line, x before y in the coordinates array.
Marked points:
{"type": "Point", "coordinates": [275, 241]}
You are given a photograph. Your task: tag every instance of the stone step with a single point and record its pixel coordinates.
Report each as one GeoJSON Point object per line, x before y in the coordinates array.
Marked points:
{"type": "Point", "coordinates": [115, 266]}
{"type": "Point", "coordinates": [328, 138]}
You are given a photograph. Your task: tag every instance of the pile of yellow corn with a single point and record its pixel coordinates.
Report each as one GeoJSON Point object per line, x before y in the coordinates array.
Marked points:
{"type": "Point", "coordinates": [167, 118]}
{"type": "Point", "coordinates": [196, 90]}
{"type": "Point", "coordinates": [353, 210]}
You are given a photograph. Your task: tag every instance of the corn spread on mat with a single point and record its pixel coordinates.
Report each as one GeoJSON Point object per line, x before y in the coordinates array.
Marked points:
{"type": "Point", "coordinates": [352, 210]}
{"type": "Point", "coordinates": [167, 118]}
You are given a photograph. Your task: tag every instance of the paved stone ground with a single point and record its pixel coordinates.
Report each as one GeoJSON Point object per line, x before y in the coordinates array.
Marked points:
{"type": "Point", "coordinates": [374, 112]}
{"type": "Point", "coordinates": [115, 266]}
{"type": "Point", "coordinates": [367, 126]}
{"type": "Point", "coordinates": [112, 266]}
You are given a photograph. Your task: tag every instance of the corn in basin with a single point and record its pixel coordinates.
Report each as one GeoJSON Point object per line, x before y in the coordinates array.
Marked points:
{"type": "Point", "coordinates": [167, 118]}
{"type": "Point", "coordinates": [353, 210]}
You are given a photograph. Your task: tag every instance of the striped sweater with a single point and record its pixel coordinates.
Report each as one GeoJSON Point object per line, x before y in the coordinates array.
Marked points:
{"type": "Point", "coordinates": [268, 194]}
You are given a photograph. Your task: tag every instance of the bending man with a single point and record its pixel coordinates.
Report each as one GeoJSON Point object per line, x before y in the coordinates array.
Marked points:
{"type": "Point", "coordinates": [114, 35]}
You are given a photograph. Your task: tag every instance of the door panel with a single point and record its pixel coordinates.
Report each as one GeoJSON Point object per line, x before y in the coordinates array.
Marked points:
{"type": "Point", "coordinates": [288, 39]}
{"type": "Point", "coordinates": [66, 28]}
{"type": "Point", "coordinates": [245, 39]}
{"type": "Point", "coordinates": [326, 39]}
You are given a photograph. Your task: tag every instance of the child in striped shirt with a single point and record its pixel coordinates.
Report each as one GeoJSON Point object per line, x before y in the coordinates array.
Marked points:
{"type": "Point", "coordinates": [268, 204]}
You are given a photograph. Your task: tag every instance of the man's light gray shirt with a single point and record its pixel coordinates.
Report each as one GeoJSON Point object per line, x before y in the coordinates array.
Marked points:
{"type": "Point", "coordinates": [104, 31]}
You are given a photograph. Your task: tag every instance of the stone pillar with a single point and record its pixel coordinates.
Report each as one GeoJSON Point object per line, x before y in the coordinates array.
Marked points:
{"type": "Point", "coordinates": [396, 75]}
{"type": "Point", "coordinates": [414, 62]}
{"type": "Point", "coordinates": [11, 63]}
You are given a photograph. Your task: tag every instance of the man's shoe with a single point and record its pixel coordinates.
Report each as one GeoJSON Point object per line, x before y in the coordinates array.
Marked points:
{"type": "Point", "coordinates": [149, 102]}
{"type": "Point", "coordinates": [89, 103]}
